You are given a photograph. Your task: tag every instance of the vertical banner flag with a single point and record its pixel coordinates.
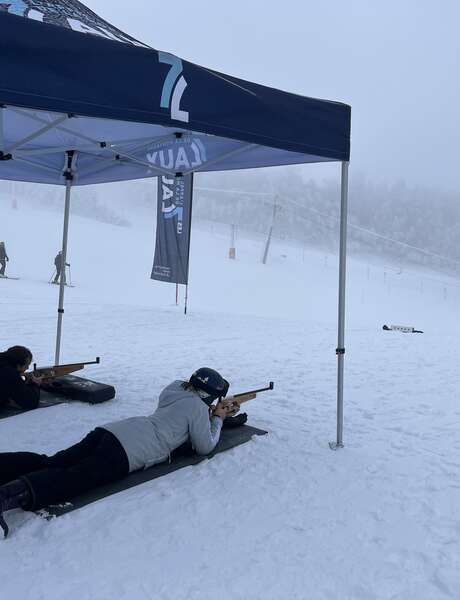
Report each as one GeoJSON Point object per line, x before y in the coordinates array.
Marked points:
{"type": "Point", "coordinates": [174, 215]}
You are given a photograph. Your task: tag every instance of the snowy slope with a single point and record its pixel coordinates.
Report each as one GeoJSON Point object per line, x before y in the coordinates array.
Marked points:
{"type": "Point", "coordinates": [283, 516]}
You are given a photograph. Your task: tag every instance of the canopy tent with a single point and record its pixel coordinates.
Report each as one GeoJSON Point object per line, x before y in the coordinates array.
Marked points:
{"type": "Point", "coordinates": [94, 106]}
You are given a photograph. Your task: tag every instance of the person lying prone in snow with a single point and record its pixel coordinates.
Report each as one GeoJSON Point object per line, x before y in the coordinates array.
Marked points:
{"type": "Point", "coordinates": [185, 412]}
{"type": "Point", "coordinates": [18, 388]}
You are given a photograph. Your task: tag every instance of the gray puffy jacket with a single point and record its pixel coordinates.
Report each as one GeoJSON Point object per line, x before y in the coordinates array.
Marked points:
{"type": "Point", "coordinates": [181, 415]}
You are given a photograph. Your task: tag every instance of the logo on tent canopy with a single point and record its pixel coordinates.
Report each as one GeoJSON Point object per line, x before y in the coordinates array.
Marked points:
{"type": "Point", "coordinates": [66, 13]}
{"type": "Point", "coordinates": [173, 197]}
{"type": "Point", "coordinates": [174, 87]}
{"type": "Point", "coordinates": [179, 156]}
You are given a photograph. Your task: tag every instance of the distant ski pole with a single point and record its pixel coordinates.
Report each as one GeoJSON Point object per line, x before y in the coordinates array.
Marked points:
{"type": "Point", "coordinates": [186, 299]}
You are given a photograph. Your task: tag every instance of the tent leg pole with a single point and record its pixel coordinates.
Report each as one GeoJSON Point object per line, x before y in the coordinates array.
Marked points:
{"type": "Point", "coordinates": [62, 278]}
{"type": "Point", "coordinates": [2, 130]}
{"type": "Point", "coordinates": [341, 321]}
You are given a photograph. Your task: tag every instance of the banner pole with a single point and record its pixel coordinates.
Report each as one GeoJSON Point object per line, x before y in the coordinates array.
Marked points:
{"type": "Point", "coordinates": [189, 241]}
{"type": "Point", "coordinates": [232, 250]}
{"type": "Point", "coordinates": [177, 294]}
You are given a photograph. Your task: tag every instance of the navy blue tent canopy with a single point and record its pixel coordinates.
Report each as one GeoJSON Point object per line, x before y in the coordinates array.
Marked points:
{"type": "Point", "coordinates": [81, 102]}
{"type": "Point", "coordinates": [129, 111]}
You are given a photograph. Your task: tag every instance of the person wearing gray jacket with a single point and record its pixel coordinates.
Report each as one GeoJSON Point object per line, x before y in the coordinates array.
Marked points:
{"type": "Point", "coordinates": [185, 412]}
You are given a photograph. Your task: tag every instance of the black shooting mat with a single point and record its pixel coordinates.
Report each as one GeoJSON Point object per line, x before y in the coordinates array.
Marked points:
{"type": "Point", "coordinates": [46, 400]}
{"type": "Point", "coordinates": [230, 438]}
{"type": "Point", "coordinates": [67, 388]}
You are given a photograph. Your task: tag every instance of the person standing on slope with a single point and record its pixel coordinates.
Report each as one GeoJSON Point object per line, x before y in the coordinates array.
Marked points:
{"type": "Point", "coordinates": [60, 267]}
{"type": "Point", "coordinates": [3, 259]}
{"type": "Point", "coordinates": [32, 481]}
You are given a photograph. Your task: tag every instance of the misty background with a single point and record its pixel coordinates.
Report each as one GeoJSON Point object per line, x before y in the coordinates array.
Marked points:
{"type": "Point", "coordinates": [396, 63]}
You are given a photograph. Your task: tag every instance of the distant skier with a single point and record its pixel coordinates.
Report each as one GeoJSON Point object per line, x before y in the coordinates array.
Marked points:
{"type": "Point", "coordinates": [60, 267]}
{"type": "Point", "coordinates": [3, 259]}
{"type": "Point", "coordinates": [185, 413]}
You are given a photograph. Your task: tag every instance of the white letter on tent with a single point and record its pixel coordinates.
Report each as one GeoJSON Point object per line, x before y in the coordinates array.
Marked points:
{"type": "Point", "coordinates": [176, 112]}
{"type": "Point", "coordinates": [167, 192]}
{"type": "Point", "coordinates": [35, 14]}
{"type": "Point", "coordinates": [170, 164]}
{"type": "Point", "coordinates": [196, 151]}
{"type": "Point", "coordinates": [77, 25]}
{"type": "Point", "coordinates": [182, 160]}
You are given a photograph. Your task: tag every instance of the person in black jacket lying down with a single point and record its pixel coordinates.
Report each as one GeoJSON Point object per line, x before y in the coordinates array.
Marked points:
{"type": "Point", "coordinates": [16, 388]}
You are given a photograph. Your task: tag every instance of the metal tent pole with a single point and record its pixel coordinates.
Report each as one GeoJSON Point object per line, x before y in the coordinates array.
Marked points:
{"type": "Point", "coordinates": [68, 174]}
{"type": "Point", "coordinates": [341, 326]}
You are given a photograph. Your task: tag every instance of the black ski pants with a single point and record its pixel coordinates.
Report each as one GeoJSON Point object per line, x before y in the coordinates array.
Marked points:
{"type": "Point", "coordinates": [2, 266]}
{"type": "Point", "coordinates": [98, 459]}
{"type": "Point", "coordinates": [60, 272]}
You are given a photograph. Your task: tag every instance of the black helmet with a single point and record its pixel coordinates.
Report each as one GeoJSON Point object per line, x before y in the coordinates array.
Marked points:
{"type": "Point", "coordinates": [211, 383]}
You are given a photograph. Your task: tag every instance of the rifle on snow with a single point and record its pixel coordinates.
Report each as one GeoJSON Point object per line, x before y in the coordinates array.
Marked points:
{"type": "Point", "coordinates": [401, 328]}
{"type": "Point", "coordinates": [234, 402]}
{"type": "Point", "coordinates": [60, 370]}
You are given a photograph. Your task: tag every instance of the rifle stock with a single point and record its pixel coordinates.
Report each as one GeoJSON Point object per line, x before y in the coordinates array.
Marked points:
{"type": "Point", "coordinates": [60, 370]}
{"type": "Point", "coordinates": [238, 399]}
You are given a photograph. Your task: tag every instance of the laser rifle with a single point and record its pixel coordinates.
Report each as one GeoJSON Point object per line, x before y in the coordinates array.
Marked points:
{"type": "Point", "coordinates": [401, 328]}
{"type": "Point", "coordinates": [232, 403]}
{"type": "Point", "coordinates": [60, 370]}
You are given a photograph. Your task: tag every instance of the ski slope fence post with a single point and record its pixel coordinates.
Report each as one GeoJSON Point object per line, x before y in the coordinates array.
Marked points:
{"type": "Point", "coordinates": [68, 174]}
{"type": "Point", "coordinates": [340, 351]}
{"type": "Point", "coordinates": [14, 196]}
{"type": "Point", "coordinates": [270, 232]}
{"type": "Point", "coordinates": [232, 249]}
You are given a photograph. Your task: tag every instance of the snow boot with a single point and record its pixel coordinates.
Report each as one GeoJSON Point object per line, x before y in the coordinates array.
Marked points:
{"type": "Point", "coordinates": [13, 495]}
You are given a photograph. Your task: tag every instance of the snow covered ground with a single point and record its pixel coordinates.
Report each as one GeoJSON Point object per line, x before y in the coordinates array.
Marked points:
{"type": "Point", "coordinates": [281, 517]}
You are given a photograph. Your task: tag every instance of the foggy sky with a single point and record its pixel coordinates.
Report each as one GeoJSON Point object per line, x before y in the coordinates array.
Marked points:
{"type": "Point", "coordinates": [396, 62]}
